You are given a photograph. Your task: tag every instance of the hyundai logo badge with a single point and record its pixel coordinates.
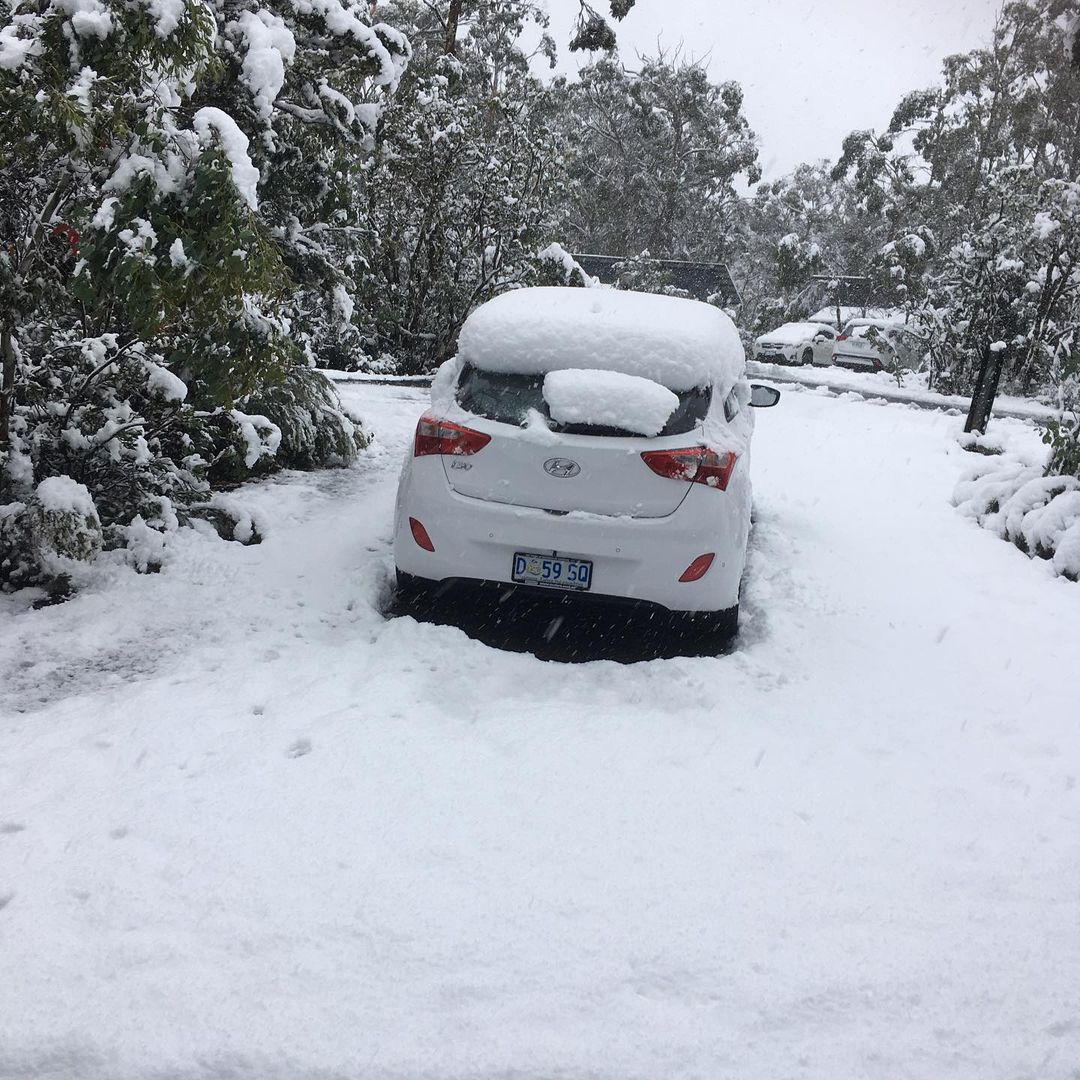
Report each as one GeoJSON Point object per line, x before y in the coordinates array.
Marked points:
{"type": "Point", "coordinates": [561, 467]}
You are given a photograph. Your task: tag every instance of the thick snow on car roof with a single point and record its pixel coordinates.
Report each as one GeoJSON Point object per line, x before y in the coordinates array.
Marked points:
{"type": "Point", "coordinates": [677, 343]}
{"type": "Point", "coordinates": [791, 333]}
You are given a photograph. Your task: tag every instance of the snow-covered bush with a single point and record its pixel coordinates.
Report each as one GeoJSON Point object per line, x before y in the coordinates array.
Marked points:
{"type": "Point", "coordinates": [64, 523]}
{"type": "Point", "coordinates": [17, 564]}
{"type": "Point", "coordinates": [315, 427]}
{"type": "Point", "coordinates": [50, 534]}
{"type": "Point", "coordinates": [167, 171]}
{"type": "Point", "coordinates": [1039, 514]}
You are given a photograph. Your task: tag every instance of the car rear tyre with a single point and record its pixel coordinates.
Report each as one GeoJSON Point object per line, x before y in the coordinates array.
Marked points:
{"type": "Point", "coordinates": [807, 357]}
{"type": "Point", "coordinates": [414, 592]}
{"type": "Point", "coordinates": [710, 632]}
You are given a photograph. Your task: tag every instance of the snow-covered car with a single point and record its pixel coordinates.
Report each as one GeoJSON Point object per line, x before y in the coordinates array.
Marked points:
{"type": "Point", "coordinates": [870, 344]}
{"type": "Point", "coordinates": [797, 343]}
{"type": "Point", "coordinates": [590, 442]}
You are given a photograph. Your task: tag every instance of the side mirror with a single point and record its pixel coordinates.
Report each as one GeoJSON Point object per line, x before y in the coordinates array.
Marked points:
{"type": "Point", "coordinates": [820, 337]}
{"type": "Point", "coordinates": [762, 396]}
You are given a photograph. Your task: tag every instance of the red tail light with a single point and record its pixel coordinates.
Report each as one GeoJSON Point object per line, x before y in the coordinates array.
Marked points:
{"type": "Point", "coordinates": [698, 464]}
{"type": "Point", "coordinates": [420, 535]}
{"type": "Point", "coordinates": [698, 568]}
{"type": "Point", "coordinates": [842, 337]}
{"type": "Point", "coordinates": [435, 436]}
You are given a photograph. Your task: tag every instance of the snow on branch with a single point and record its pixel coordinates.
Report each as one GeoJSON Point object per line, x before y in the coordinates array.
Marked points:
{"type": "Point", "coordinates": [210, 122]}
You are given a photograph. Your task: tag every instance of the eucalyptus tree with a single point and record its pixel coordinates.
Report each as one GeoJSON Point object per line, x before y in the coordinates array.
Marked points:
{"type": "Point", "coordinates": [654, 155]}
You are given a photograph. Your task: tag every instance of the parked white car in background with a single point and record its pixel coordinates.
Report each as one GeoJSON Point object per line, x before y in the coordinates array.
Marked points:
{"type": "Point", "coordinates": [797, 343]}
{"type": "Point", "coordinates": [873, 344]}
{"type": "Point", "coordinates": [588, 442]}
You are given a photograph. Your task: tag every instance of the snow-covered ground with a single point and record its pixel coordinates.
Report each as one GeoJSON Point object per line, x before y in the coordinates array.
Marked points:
{"type": "Point", "coordinates": [249, 828]}
{"type": "Point", "coordinates": [880, 384]}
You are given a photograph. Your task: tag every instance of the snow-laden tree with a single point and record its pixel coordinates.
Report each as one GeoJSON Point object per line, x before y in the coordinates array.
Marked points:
{"type": "Point", "coordinates": [455, 204]}
{"type": "Point", "coordinates": [977, 179]}
{"type": "Point", "coordinates": [653, 157]}
{"type": "Point", "coordinates": [788, 232]}
{"type": "Point", "coordinates": [164, 166]}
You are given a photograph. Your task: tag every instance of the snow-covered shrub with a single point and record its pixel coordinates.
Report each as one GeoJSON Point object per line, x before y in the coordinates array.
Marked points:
{"type": "Point", "coordinates": [1039, 514]}
{"type": "Point", "coordinates": [64, 523]}
{"type": "Point", "coordinates": [50, 534]}
{"type": "Point", "coordinates": [1021, 511]}
{"type": "Point", "coordinates": [314, 427]}
{"type": "Point", "coordinates": [229, 518]}
{"type": "Point", "coordinates": [167, 172]}
{"type": "Point", "coordinates": [17, 565]}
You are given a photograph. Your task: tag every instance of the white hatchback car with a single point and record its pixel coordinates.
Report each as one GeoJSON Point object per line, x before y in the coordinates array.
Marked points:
{"type": "Point", "coordinates": [587, 442]}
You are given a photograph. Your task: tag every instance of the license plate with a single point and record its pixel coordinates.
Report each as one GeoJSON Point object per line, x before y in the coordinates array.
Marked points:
{"type": "Point", "coordinates": [551, 571]}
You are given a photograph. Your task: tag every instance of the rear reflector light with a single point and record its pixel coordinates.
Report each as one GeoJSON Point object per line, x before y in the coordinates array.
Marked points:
{"type": "Point", "coordinates": [698, 568]}
{"type": "Point", "coordinates": [698, 464]}
{"type": "Point", "coordinates": [435, 436]}
{"type": "Point", "coordinates": [420, 535]}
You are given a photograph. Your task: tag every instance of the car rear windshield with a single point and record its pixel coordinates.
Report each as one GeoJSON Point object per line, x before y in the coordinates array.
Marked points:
{"type": "Point", "coordinates": [510, 398]}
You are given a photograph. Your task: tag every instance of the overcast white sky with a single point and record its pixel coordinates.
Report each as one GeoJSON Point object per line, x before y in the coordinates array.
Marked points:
{"type": "Point", "coordinates": [811, 71]}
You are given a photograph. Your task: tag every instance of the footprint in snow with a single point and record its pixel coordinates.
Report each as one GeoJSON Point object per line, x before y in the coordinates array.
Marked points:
{"type": "Point", "coordinates": [5, 899]}
{"type": "Point", "coordinates": [9, 827]}
{"type": "Point", "coordinates": [299, 748]}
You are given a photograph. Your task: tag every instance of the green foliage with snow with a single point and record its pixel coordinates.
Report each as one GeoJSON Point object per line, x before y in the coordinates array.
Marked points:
{"type": "Point", "coordinates": [983, 204]}
{"type": "Point", "coordinates": [168, 172]}
{"type": "Point", "coordinates": [457, 200]}
{"type": "Point", "coordinates": [653, 156]}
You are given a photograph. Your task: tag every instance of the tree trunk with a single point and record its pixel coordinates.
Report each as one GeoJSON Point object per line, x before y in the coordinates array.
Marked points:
{"type": "Point", "coordinates": [7, 385]}
{"type": "Point", "coordinates": [986, 387]}
{"type": "Point", "coordinates": [452, 18]}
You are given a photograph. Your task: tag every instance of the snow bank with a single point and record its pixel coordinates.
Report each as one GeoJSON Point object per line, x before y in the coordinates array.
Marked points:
{"type": "Point", "coordinates": [678, 343]}
{"type": "Point", "coordinates": [608, 399]}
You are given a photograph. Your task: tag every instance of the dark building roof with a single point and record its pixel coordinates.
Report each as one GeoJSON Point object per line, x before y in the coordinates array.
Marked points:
{"type": "Point", "coordinates": [849, 291]}
{"type": "Point", "coordinates": [700, 279]}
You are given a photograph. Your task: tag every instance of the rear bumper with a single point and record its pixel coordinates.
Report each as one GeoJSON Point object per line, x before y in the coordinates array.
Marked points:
{"type": "Point", "coordinates": [635, 560]}
{"type": "Point", "coordinates": [857, 363]}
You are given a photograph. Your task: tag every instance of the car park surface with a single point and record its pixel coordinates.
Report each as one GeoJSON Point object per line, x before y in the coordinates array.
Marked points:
{"type": "Point", "coordinates": [388, 850]}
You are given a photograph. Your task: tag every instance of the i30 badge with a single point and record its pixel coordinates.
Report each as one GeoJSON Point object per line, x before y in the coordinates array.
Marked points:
{"type": "Point", "coordinates": [561, 467]}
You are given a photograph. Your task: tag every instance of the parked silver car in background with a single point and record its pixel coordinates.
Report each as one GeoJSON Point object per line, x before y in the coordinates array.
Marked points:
{"type": "Point", "coordinates": [877, 344]}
